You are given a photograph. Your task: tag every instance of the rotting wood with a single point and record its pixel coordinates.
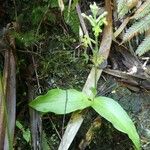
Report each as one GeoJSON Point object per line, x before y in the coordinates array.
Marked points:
{"type": "Point", "coordinates": [35, 117]}
{"type": "Point", "coordinates": [95, 125]}
{"type": "Point", "coordinates": [9, 88]}
{"type": "Point", "coordinates": [2, 116]}
{"type": "Point", "coordinates": [10, 93]}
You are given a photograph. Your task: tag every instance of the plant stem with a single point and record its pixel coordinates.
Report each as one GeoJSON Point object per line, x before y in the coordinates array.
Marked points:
{"type": "Point", "coordinates": [95, 64]}
{"type": "Point", "coordinates": [39, 26]}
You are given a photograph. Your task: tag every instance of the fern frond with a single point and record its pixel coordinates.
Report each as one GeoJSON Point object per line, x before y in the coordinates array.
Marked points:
{"type": "Point", "coordinates": [138, 27]}
{"type": "Point", "coordinates": [142, 11]}
{"type": "Point", "coordinates": [143, 47]}
{"type": "Point", "coordinates": [37, 14]}
{"type": "Point", "coordinates": [28, 38]}
{"type": "Point", "coordinates": [73, 20]}
{"type": "Point", "coordinates": [122, 8]}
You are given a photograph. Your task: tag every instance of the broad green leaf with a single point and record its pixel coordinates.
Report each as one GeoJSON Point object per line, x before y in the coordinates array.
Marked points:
{"type": "Point", "coordinates": [61, 101]}
{"type": "Point", "coordinates": [113, 112]}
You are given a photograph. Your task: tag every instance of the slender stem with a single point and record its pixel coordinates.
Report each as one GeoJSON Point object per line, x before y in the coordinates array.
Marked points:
{"type": "Point", "coordinates": [83, 23]}
{"type": "Point", "coordinates": [95, 84]}
{"type": "Point", "coordinates": [39, 26]}
{"type": "Point", "coordinates": [95, 60]}
{"type": "Point", "coordinates": [16, 16]}
{"type": "Point", "coordinates": [69, 8]}
{"type": "Point", "coordinates": [64, 117]}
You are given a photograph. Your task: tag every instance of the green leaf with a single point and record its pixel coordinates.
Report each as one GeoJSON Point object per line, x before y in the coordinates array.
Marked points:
{"type": "Point", "coordinates": [138, 27]}
{"type": "Point", "coordinates": [19, 125]}
{"type": "Point", "coordinates": [61, 101]}
{"type": "Point", "coordinates": [45, 141]}
{"type": "Point", "coordinates": [113, 112]}
{"type": "Point", "coordinates": [122, 8]}
{"type": "Point", "coordinates": [26, 133]}
{"type": "Point", "coordinates": [72, 20]}
{"type": "Point", "coordinates": [144, 46]}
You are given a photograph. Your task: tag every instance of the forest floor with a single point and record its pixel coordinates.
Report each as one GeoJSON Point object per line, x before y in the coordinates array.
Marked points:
{"type": "Point", "coordinates": [56, 61]}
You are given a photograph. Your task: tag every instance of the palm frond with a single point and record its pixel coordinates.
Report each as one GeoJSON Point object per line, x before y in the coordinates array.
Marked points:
{"type": "Point", "coordinates": [143, 47]}
{"type": "Point", "coordinates": [143, 10]}
{"type": "Point", "coordinates": [138, 27]}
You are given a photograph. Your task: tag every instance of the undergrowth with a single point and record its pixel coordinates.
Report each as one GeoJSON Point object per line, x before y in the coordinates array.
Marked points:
{"type": "Point", "coordinates": [51, 38]}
